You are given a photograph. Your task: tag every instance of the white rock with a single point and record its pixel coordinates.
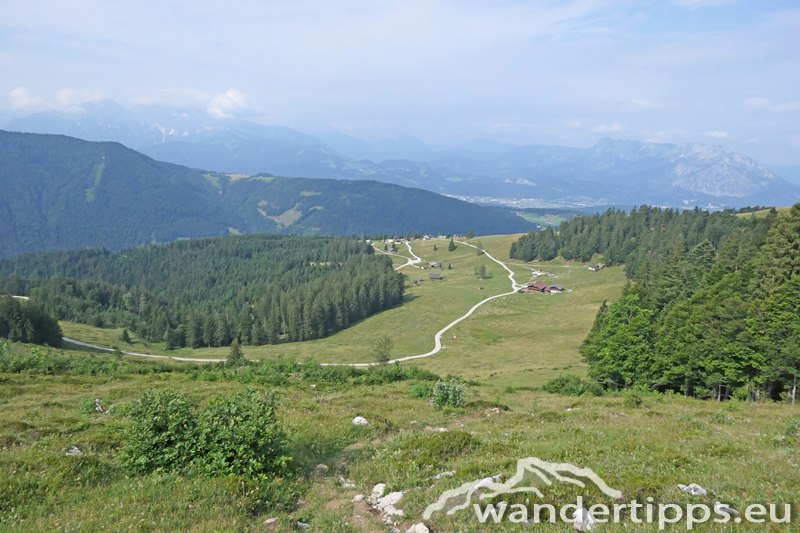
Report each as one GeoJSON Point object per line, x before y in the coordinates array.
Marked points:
{"type": "Point", "coordinates": [73, 451]}
{"type": "Point", "coordinates": [357, 498]}
{"type": "Point", "coordinates": [271, 524]}
{"type": "Point", "coordinates": [583, 520]}
{"type": "Point", "coordinates": [693, 489]}
{"type": "Point", "coordinates": [303, 527]}
{"type": "Point", "coordinates": [449, 473]}
{"type": "Point", "coordinates": [721, 507]}
{"type": "Point", "coordinates": [379, 489]}
{"type": "Point", "coordinates": [486, 482]}
{"type": "Point", "coordinates": [386, 505]}
{"type": "Point", "coordinates": [418, 528]}
{"type": "Point", "coordinates": [360, 421]}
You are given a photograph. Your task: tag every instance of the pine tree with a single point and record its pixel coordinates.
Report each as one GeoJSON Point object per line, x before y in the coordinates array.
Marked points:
{"type": "Point", "coordinates": [470, 234]}
{"type": "Point", "coordinates": [451, 246]}
{"type": "Point", "coordinates": [169, 338]}
{"type": "Point", "coordinates": [236, 354]}
{"type": "Point", "coordinates": [382, 348]}
{"type": "Point", "coordinates": [124, 336]}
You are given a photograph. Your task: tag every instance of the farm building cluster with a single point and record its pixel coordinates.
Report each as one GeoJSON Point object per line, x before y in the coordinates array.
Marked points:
{"type": "Point", "coordinates": [542, 287]}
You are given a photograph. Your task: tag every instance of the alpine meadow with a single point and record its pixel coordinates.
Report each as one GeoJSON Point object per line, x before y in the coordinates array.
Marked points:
{"type": "Point", "coordinates": [400, 267]}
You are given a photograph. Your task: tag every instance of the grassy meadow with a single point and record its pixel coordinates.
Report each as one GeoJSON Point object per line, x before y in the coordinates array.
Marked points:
{"type": "Point", "coordinates": [739, 450]}
{"type": "Point", "coordinates": [519, 340]}
{"type": "Point", "coordinates": [764, 212]}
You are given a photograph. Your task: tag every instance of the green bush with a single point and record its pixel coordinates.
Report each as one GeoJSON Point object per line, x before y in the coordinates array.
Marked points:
{"type": "Point", "coordinates": [632, 398]}
{"type": "Point", "coordinates": [422, 390]}
{"type": "Point", "coordinates": [162, 433]}
{"type": "Point", "coordinates": [572, 385]}
{"type": "Point", "coordinates": [448, 393]}
{"type": "Point", "coordinates": [238, 436]}
{"type": "Point", "coordinates": [234, 436]}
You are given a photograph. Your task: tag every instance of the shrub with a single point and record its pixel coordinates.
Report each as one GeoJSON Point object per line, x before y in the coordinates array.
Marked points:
{"type": "Point", "coordinates": [238, 436]}
{"type": "Point", "coordinates": [449, 393]}
{"type": "Point", "coordinates": [234, 436]}
{"type": "Point", "coordinates": [572, 385]}
{"type": "Point", "coordinates": [162, 433]}
{"type": "Point", "coordinates": [422, 390]}
{"type": "Point", "coordinates": [632, 398]}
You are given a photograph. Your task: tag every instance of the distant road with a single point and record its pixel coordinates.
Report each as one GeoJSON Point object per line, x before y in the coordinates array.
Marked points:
{"type": "Point", "coordinates": [103, 348]}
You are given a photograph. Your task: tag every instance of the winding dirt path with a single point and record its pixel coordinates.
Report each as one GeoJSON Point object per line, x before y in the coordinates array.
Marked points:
{"type": "Point", "coordinates": [438, 337]}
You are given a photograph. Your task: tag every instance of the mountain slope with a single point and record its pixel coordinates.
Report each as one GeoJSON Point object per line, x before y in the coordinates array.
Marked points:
{"type": "Point", "coordinates": [60, 192]}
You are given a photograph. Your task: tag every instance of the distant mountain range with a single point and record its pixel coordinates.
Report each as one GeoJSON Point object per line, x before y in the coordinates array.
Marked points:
{"type": "Point", "coordinates": [62, 192]}
{"type": "Point", "coordinates": [613, 172]}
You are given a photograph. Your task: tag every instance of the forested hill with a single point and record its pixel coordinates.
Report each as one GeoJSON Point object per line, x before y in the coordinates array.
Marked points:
{"type": "Point", "coordinates": [61, 192]}
{"type": "Point", "coordinates": [712, 308]}
{"type": "Point", "coordinates": [257, 288]}
{"type": "Point", "coordinates": [632, 237]}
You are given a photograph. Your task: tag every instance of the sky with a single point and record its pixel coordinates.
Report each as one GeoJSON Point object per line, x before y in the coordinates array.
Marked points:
{"type": "Point", "coordinates": [722, 72]}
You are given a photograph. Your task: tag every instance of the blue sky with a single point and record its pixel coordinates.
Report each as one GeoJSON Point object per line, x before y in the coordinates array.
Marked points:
{"type": "Point", "coordinates": [711, 71]}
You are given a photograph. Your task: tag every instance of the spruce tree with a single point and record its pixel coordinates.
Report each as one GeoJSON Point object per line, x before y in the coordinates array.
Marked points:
{"type": "Point", "coordinates": [470, 234]}
{"type": "Point", "coordinates": [124, 336]}
{"type": "Point", "coordinates": [451, 246]}
{"type": "Point", "coordinates": [236, 354]}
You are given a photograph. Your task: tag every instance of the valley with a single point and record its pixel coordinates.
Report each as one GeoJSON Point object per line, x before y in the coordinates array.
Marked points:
{"type": "Point", "coordinates": [508, 341]}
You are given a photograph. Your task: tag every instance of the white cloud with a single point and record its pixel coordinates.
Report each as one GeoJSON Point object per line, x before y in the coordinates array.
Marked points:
{"type": "Point", "coordinates": [228, 104]}
{"type": "Point", "coordinates": [607, 128]}
{"type": "Point", "coordinates": [764, 104]}
{"type": "Point", "coordinates": [21, 98]}
{"type": "Point", "coordinates": [67, 98]}
{"type": "Point", "coordinates": [754, 140]}
{"type": "Point", "coordinates": [716, 134]}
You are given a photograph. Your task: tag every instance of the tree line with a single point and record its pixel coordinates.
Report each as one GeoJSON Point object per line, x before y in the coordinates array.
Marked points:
{"type": "Point", "coordinates": [626, 238]}
{"type": "Point", "coordinates": [26, 321]}
{"type": "Point", "coordinates": [259, 289]}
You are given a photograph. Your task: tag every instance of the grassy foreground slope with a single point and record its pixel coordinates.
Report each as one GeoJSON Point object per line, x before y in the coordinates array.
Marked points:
{"type": "Point", "coordinates": [739, 450]}
{"type": "Point", "coordinates": [519, 340]}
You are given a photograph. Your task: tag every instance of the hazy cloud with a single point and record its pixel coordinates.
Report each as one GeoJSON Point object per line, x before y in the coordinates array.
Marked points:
{"type": "Point", "coordinates": [764, 104]}
{"type": "Point", "coordinates": [716, 134]}
{"type": "Point", "coordinates": [21, 98]}
{"type": "Point", "coordinates": [607, 128]}
{"type": "Point", "coordinates": [173, 96]}
{"type": "Point", "coordinates": [69, 98]}
{"type": "Point", "coordinates": [228, 104]}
